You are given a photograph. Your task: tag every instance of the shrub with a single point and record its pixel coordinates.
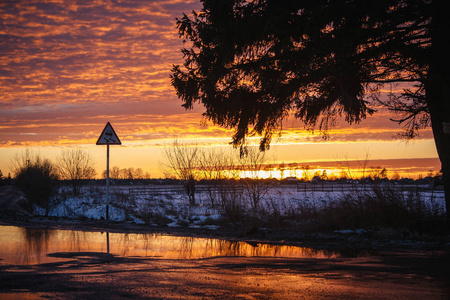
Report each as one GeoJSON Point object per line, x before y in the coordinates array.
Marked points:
{"type": "Point", "coordinates": [37, 179]}
{"type": "Point", "coordinates": [232, 204]}
{"type": "Point", "coordinates": [382, 207]}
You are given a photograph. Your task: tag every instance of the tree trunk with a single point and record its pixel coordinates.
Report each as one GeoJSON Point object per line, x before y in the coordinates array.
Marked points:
{"type": "Point", "coordinates": [189, 186]}
{"type": "Point", "coordinates": [438, 90]}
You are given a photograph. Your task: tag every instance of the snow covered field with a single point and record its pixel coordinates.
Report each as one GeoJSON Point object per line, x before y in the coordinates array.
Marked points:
{"type": "Point", "coordinates": [168, 205]}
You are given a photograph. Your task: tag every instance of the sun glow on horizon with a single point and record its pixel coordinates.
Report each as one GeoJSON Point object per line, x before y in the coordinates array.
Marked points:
{"type": "Point", "coordinates": [287, 160]}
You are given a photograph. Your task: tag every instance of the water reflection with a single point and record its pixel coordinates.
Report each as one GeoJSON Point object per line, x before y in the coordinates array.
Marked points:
{"type": "Point", "coordinates": [36, 244]}
{"type": "Point", "coordinates": [107, 242]}
{"type": "Point", "coordinates": [31, 246]}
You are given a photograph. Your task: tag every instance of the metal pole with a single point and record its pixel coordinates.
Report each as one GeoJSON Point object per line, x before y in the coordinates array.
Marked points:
{"type": "Point", "coordinates": [107, 182]}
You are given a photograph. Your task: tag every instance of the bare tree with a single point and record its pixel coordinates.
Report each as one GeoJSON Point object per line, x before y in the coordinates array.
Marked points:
{"type": "Point", "coordinates": [20, 161]}
{"type": "Point", "coordinates": [123, 173]}
{"type": "Point", "coordinates": [139, 173]}
{"type": "Point", "coordinates": [306, 173]}
{"type": "Point", "coordinates": [252, 163]}
{"type": "Point", "coordinates": [127, 173]}
{"type": "Point", "coordinates": [181, 162]}
{"type": "Point", "coordinates": [216, 166]}
{"type": "Point", "coordinates": [114, 173]}
{"type": "Point", "coordinates": [282, 168]}
{"type": "Point", "coordinates": [75, 165]}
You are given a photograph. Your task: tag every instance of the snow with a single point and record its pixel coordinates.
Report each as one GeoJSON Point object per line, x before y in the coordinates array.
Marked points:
{"type": "Point", "coordinates": [172, 208]}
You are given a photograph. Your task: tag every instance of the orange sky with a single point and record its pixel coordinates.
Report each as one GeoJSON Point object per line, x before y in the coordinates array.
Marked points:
{"type": "Point", "coordinates": [69, 67]}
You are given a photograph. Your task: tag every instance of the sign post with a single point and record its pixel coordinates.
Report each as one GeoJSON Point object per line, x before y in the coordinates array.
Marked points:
{"type": "Point", "coordinates": [108, 137]}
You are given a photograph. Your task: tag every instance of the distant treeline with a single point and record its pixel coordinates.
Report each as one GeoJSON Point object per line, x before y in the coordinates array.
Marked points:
{"type": "Point", "coordinates": [130, 176]}
{"type": "Point", "coordinates": [435, 181]}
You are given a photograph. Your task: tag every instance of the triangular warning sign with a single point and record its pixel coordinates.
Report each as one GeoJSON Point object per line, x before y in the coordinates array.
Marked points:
{"type": "Point", "coordinates": [108, 136]}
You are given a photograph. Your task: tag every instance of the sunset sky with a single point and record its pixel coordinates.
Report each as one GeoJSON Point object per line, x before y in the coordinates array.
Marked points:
{"type": "Point", "coordinates": [69, 67]}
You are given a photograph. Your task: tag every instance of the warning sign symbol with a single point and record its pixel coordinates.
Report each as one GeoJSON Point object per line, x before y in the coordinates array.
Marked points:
{"type": "Point", "coordinates": [108, 136]}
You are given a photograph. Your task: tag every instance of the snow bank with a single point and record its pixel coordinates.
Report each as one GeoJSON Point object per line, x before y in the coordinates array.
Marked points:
{"type": "Point", "coordinates": [172, 208]}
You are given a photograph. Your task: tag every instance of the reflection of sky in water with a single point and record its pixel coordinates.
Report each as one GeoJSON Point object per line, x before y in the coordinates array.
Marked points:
{"type": "Point", "coordinates": [31, 246]}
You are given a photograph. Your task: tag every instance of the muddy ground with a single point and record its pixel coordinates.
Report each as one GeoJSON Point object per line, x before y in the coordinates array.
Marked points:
{"type": "Point", "coordinates": [369, 268]}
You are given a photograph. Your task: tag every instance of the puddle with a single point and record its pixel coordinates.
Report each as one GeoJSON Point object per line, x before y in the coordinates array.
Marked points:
{"type": "Point", "coordinates": [25, 246]}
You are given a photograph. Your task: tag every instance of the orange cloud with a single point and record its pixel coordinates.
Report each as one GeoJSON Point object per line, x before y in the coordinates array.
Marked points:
{"type": "Point", "coordinates": [68, 67]}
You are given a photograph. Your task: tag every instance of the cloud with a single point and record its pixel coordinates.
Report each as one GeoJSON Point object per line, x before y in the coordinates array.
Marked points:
{"type": "Point", "coordinates": [86, 49]}
{"type": "Point", "coordinates": [68, 67]}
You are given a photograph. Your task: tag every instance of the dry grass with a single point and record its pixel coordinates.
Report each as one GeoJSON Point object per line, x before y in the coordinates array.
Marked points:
{"type": "Point", "coordinates": [380, 208]}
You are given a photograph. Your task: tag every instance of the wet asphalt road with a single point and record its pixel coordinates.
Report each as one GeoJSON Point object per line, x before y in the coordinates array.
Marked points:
{"type": "Point", "coordinates": [105, 276]}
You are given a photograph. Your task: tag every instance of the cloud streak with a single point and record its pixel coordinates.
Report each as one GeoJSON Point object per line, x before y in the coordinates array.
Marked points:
{"type": "Point", "coordinates": [109, 51]}
{"type": "Point", "coordinates": [78, 63]}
